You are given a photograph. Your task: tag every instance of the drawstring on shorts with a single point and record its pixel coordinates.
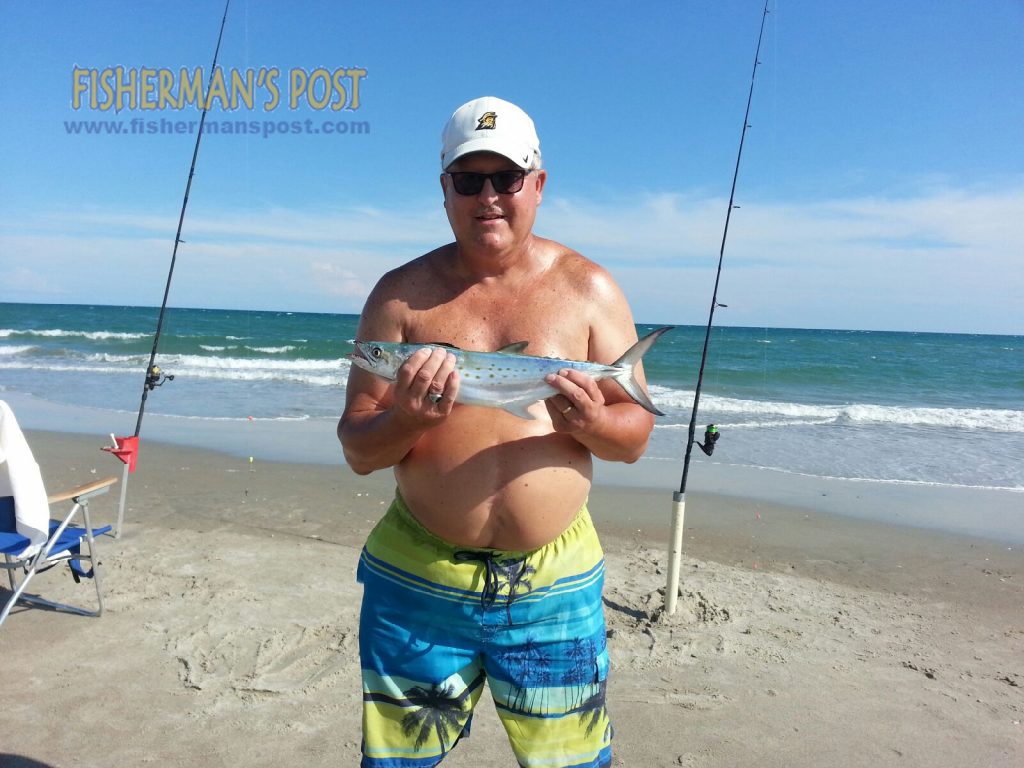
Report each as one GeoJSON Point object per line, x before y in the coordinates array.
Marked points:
{"type": "Point", "coordinates": [512, 569]}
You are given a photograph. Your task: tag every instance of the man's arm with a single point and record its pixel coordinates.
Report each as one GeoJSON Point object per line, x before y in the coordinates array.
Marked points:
{"type": "Point", "coordinates": [603, 418]}
{"type": "Point", "coordinates": [383, 420]}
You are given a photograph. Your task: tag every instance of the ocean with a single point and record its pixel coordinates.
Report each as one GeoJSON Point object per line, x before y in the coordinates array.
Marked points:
{"type": "Point", "coordinates": [904, 408]}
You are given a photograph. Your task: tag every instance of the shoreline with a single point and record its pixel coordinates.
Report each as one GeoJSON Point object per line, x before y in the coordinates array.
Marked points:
{"type": "Point", "coordinates": [738, 530]}
{"type": "Point", "coordinates": [991, 514]}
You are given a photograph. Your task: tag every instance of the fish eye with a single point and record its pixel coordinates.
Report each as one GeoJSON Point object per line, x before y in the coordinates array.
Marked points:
{"type": "Point", "coordinates": [377, 352]}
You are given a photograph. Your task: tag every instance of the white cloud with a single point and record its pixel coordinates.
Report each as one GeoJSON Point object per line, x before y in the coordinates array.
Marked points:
{"type": "Point", "coordinates": [339, 281]}
{"type": "Point", "coordinates": [943, 259]}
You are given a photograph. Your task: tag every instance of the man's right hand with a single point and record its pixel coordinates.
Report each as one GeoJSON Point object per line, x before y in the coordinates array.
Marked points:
{"type": "Point", "coordinates": [426, 386]}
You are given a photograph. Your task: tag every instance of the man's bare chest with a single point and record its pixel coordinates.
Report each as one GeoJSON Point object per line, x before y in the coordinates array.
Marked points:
{"type": "Point", "coordinates": [550, 329]}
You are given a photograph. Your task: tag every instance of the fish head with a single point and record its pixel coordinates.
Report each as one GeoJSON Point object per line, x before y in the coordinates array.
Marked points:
{"type": "Point", "coordinates": [378, 357]}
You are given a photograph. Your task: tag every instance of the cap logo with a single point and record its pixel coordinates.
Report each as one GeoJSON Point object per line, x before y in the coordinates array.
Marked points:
{"type": "Point", "coordinates": [487, 121]}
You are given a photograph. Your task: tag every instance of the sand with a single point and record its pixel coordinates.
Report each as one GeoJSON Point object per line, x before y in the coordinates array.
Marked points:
{"type": "Point", "coordinates": [230, 636]}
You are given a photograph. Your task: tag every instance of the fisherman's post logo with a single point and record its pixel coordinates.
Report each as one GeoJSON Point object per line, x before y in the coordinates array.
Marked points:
{"type": "Point", "coordinates": [319, 93]}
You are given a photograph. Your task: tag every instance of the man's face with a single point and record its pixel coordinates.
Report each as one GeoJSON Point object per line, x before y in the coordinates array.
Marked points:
{"type": "Point", "coordinates": [491, 220]}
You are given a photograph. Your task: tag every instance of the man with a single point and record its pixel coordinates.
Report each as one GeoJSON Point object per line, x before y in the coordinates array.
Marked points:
{"type": "Point", "coordinates": [487, 566]}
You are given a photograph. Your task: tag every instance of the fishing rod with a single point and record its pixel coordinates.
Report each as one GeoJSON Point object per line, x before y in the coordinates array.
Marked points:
{"type": "Point", "coordinates": [154, 376]}
{"type": "Point", "coordinates": [711, 434]}
{"type": "Point", "coordinates": [126, 449]}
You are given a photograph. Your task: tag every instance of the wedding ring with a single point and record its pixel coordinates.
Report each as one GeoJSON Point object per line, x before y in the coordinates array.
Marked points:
{"type": "Point", "coordinates": [567, 409]}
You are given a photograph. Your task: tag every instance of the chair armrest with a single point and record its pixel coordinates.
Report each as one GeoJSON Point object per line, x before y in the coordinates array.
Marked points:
{"type": "Point", "coordinates": [88, 490]}
{"type": "Point", "coordinates": [79, 495]}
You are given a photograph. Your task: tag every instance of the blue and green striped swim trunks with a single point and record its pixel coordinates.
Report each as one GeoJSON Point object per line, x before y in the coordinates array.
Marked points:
{"type": "Point", "coordinates": [439, 620]}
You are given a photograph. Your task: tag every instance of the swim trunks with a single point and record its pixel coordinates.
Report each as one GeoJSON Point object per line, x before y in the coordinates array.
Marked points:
{"type": "Point", "coordinates": [438, 620]}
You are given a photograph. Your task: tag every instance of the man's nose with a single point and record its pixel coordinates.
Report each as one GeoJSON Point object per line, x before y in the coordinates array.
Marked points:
{"type": "Point", "coordinates": [487, 191]}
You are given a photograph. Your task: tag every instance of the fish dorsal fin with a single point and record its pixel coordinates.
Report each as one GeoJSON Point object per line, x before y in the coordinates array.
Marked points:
{"type": "Point", "coordinates": [444, 344]}
{"type": "Point", "coordinates": [515, 348]}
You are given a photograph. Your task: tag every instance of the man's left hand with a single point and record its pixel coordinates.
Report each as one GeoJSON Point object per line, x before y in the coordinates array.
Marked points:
{"type": "Point", "coordinates": [578, 403]}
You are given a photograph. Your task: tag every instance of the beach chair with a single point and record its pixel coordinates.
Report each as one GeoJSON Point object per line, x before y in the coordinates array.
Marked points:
{"type": "Point", "coordinates": [29, 540]}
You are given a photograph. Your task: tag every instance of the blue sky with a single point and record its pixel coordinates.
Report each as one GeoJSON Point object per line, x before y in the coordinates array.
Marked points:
{"type": "Point", "coordinates": [882, 184]}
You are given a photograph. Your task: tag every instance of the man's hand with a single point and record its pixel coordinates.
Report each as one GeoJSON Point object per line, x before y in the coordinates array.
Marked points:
{"type": "Point", "coordinates": [609, 424]}
{"type": "Point", "coordinates": [579, 404]}
{"type": "Point", "coordinates": [426, 386]}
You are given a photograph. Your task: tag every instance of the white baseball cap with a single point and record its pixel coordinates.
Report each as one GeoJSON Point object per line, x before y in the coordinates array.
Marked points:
{"type": "Point", "coordinates": [490, 124]}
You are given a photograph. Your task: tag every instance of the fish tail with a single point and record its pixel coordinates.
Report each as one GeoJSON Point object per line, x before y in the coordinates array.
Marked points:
{"type": "Point", "coordinates": [626, 378]}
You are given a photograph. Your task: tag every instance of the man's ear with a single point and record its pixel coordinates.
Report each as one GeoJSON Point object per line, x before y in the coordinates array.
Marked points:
{"type": "Point", "coordinates": [542, 177]}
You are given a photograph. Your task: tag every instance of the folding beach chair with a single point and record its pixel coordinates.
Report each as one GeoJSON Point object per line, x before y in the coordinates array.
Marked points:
{"type": "Point", "coordinates": [29, 540]}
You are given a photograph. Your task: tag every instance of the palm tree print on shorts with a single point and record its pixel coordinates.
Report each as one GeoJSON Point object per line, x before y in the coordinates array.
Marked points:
{"type": "Point", "coordinates": [438, 712]}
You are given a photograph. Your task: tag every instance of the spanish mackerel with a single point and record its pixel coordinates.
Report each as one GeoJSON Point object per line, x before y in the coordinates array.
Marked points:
{"type": "Point", "coordinates": [507, 379]}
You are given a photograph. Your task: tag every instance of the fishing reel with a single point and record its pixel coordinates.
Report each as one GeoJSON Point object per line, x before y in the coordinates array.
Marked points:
{"type": "Point", "coordinates": [156, 377]}
{"type": "Point", "coordinates": [711, 436]}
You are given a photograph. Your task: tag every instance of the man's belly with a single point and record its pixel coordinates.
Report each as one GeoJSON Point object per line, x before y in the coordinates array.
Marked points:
{"type": "Point", "coordinates": [489, 479]}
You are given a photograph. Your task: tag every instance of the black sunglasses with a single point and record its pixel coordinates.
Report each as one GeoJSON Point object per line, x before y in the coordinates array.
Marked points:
{"type": "Point", "coordinates": [504, 182]}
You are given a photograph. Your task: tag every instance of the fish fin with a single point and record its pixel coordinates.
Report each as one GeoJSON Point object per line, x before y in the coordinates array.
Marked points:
{"type": "Point", "coordinates": [626, 377]}
{"type": "Point", "coordinates": [515, 348]}
{"type": "Point", "coordinates": [444, 344]}
{"type": "Point", "coordinates": [522, 410]}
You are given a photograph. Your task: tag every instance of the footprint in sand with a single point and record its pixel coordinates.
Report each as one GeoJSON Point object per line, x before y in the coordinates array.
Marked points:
{"type": "Point", "coordinates": [254, 661]}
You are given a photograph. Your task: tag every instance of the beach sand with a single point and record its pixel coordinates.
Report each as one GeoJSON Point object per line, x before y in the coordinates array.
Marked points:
{"type": "Point", "coordinates": [230, 636]}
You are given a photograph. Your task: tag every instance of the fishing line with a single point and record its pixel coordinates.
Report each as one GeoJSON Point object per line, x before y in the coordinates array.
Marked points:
{"type": "Point", "coordinates": [711, 434]}
{"type": "Point", "coordinates": [154, 376]}
{"type": "Point", "coordinates": [717, 357]}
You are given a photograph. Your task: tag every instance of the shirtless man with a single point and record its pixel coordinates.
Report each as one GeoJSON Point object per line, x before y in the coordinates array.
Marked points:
{"type": "Point", "coordinates": [487, 566]}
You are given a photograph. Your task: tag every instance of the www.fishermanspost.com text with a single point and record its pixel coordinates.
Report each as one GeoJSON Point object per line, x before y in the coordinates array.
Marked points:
{"type": "Point", "coordinates": [138, 126]}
